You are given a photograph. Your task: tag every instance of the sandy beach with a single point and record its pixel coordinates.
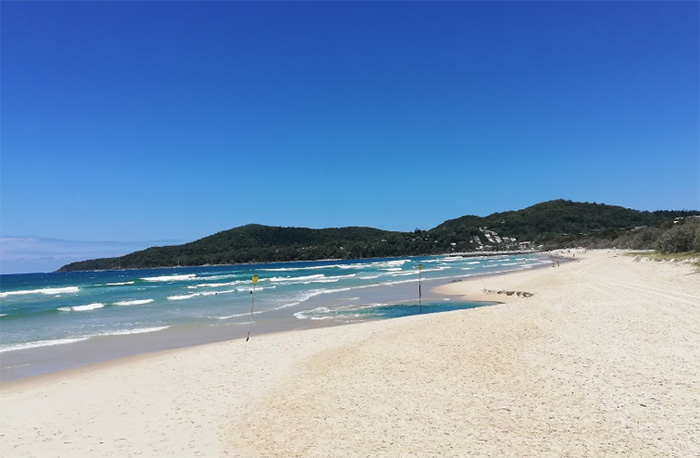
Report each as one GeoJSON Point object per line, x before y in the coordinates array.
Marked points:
{"type": "Point", "coordinates": [602, 360]}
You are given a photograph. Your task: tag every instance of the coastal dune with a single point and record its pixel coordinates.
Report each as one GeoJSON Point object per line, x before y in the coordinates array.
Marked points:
{"type": "Point", "coordinates": [603, 359]}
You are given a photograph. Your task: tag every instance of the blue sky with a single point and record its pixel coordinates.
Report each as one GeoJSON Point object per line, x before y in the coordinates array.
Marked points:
{"type": "Point", "coordinates": [140, 121]}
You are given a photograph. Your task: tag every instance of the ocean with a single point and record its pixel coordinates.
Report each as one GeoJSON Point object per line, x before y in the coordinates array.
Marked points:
{"type": "Point", "coordinates": [55, 321]}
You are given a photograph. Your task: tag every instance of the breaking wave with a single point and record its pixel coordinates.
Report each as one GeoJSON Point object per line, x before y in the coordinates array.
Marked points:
{"type": "Point", "coordinates": [52, 342]}
{"type": "Point", "coordinates": [184, 277]}
{"type": "Point", "coordinates": [40, 343]}
{"type": "Point", "coordinates": [66, 289]}
{"type": "Point", "coordinates": [134, 302]}
{"type": "Point", "coordinates": [81, 308]}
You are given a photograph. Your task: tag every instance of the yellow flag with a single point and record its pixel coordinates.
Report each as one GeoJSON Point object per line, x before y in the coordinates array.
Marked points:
{"type": "Point", "coordinates": [420, 266]}
{"type": "Point", "coordinates": [255, 279]}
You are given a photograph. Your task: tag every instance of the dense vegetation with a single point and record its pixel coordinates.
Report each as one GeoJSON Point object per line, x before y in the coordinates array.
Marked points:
{"type": "Point", "coordinates": [553, 224]}
{"type": "Point", "coordinates": [545, 221]}
{"type": "Point", "coordinates": [671, 236]}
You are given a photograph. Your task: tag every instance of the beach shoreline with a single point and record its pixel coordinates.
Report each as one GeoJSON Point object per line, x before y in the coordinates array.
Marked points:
{"type": "Point", "coordinates": [601, 360]}
{"type": "Point", "coordinates": [32, 362]}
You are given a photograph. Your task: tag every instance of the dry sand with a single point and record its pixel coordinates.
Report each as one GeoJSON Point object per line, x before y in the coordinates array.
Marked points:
{"type": "Point", "coordinates": [603, 360]}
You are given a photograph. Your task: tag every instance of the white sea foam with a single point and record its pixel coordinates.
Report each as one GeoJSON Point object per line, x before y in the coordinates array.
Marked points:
{"type": "Point", "coordinates": [304, 314]}
{"type": "Point", "coordinates": [218, 285]}
{"type": "Point", "coordinates": [374, 264]}
{"type": "Point", "coordinates": [398, 282]}
{"type": "Point", "coordinates": [397, 262]}
{"type": "Point", "coordinates": [82, 308]}
{"type": "Point", "coordinates": [183, 277]}
{"type": "Point", "coordinates": [134, 302]}
{"type": "Point", "coordinates": [203, 276]}
{"type": "Point", "coordinates": [307, 280]}
{"type": "Point", "coordinates": [295, 279]}
{"type": "Point", "coordinates": [183, 297]}
{"type": "Point", "coordinates": [52, 342]}
{"type": "Point", "coordinates": [3, 314]}
{"type": "Point", "coordinates": [66, 289]}
{"type": "Point", "coordinates": [309, 294]}
{"type": "Point", "coordinates": [123, 283]}
{"type": "Point", "coordinates": [356, 265]}
{"type": "Point", "coordinates": [238, 315]}
{"type": "Point", "coordinates": [321, 280]}
{"type": "Point", "coordinates": [303, 297]}
{"type": "Point", "coordinates": [321, 318]}
{"type": "Point", "coordinates": [40, 343]}
{"type": "Point", "coordinates": [324, 313]}
{"type": "Point", "coordinates": [243, 289]}
{"type": "Point", "coordinates": [434, 269]}
{"type": "Point", "coordinates": [333, 279]}
{"type": "Point", "coordinates": [405, 274]}
{"type": "Point", "coordinates": [292, 269]}
{"type": "Point", "coordinates": [124, 332]}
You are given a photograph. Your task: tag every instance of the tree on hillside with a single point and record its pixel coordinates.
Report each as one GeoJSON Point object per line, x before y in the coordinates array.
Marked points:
{"type": "Point", "coordinates": [683, 236]}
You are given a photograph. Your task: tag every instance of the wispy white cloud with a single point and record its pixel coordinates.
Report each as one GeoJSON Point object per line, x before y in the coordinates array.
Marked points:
{"type": "Point", "coordinates": [32, 254]}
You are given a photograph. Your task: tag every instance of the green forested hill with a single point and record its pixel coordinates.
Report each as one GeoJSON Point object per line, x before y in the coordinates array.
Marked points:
{"type": "Point", "coordinates": [558, 217]}
{"type": "Point", "coordinates": [555, 223]}
{"type": "Point", "coordinates": [256, 243]}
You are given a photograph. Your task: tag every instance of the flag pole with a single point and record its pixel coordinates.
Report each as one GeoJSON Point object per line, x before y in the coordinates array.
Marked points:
{"type": "Point", "coordinates": [252, 305]}
{"type": "Point", "coordinates": [420, 302]}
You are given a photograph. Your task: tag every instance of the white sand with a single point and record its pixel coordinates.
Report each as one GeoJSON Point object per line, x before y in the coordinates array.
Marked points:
{"type": "Point", "coordinates": [603, 360]}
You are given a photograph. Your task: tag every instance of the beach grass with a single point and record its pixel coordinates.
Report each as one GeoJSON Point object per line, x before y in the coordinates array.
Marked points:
{"type": "Point", "coordinates": [690, 257]}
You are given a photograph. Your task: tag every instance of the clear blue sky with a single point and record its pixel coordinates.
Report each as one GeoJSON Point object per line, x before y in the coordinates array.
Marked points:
{"type": "Point", "coordinates": [142, 121]}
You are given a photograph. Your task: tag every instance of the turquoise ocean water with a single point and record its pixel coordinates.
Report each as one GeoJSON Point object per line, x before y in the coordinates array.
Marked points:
{"type": "Point", "coordinates": [48, 311]}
